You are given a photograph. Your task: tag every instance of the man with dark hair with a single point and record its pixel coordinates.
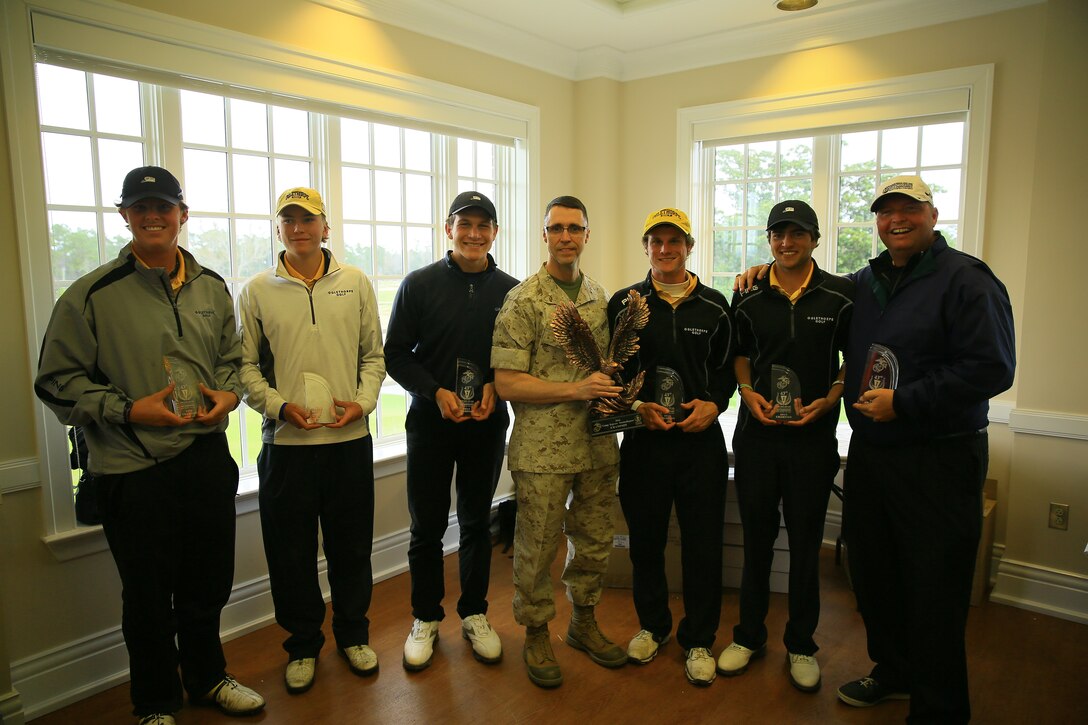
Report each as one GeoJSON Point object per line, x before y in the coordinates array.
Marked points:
{"type": "Point", "coordinates": [312, 365]}
{"type": "Point", "coordinates": [785, 447]}
{"type": "Point", "coordinates": [912, 512]}
{"type": "Point", "coordinates": [679, 459]}
{"type": "Point", "coordinates": [438, 348]}
{"type": "Point", "coordinates": [931, 341]}
{"type": "Point", "coordinates": [551, 454]}
{"type": "Point", "coordinates": [143, 354]}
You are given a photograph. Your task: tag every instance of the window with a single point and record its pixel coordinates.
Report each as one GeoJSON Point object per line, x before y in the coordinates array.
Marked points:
{"type": "Point", "coordinates": [830, 149]}
{"type": "Point", "coordinates": [109, 110]}
{"type": "Point", "coordinates": [865, 158]}
{"type": "Point", "coordinates": [750, 178]}
{"type": "Point", "coordinates": [237, 156]}
{"type": "Point", "coordinates": [842, 171]}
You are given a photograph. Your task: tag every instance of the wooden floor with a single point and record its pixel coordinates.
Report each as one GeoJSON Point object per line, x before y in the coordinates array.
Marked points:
{"type": "Point", "coordinates": [1025, 668]}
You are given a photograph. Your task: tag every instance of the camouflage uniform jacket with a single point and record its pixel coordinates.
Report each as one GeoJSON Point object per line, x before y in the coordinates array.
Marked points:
{"type": "Point", "coordinates": [554, 437]}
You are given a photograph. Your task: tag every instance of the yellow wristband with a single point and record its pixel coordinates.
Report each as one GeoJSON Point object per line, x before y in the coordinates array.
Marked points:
{"type": "Point", "coordinates": [742, 386]}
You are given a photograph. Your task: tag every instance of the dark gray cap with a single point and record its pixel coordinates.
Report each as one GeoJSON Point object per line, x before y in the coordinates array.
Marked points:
{"type": "Point", "coordinates": [469, 199]}
{"type": "Point", "coordinates": [150, 181]}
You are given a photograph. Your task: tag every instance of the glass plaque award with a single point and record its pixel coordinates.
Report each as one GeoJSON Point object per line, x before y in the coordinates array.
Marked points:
{"type": "Point", "coordinates": [319, 402]}
{"type": "Point", "coordinates": [881, 369]}
{"type": "Point", "coordinates": [186, 400]}
{"type": "Point", "coordinates": [470, 384]}
{"type": "Point", "coordinates": [606, 415]}
{"type": "Point", "coordinates": [669, 393]}
{"type": "Point", "coordinates": [785, 387]}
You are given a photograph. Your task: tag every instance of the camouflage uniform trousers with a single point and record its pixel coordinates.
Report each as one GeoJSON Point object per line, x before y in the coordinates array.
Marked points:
{"type": "Point", "coordinates": [542, 517]}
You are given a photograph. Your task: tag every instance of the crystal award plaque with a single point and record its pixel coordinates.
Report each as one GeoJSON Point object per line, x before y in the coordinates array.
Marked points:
{"type": "Point", "coordinates": [470, 383]}
{"type": "Point", "coordinates": [785, 386]}
{"type": "Point", "coordinates": [186, 400]}
{"type": "Point", "coordinates": [606, 415]}
{"type": "Point", "coordinates": [881, 369]}
{"type": "Point", "coordinates": [669, 393]}
{"type": "Point", "coordinates": [319, 405]}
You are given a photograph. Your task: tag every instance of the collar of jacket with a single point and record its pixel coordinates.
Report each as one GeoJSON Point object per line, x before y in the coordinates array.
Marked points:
{"type": "Point", "coordinates": [556, 296]}
{"type": "Point", "coordinates": [927, 264]}
{"type": "Point", "coordinates": [646, 286]}
{"type": "Point", "coordinates": [157, 274]}
{"type": "Point", "coordinates": [331, 265]}
{"type": "Point", "coordinates": [452, 266]}
{"type": "Point", "coordinates": [818, 277]}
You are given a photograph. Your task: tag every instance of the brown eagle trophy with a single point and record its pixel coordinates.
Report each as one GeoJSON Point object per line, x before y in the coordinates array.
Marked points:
{"type": "Point", "coordinates": [572, 332]}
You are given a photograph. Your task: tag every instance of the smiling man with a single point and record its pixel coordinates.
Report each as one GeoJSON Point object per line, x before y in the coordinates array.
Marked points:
{"type": "Point", "coordinates": [912, 512]}
{"type": "Point", "coordinates": [165, 474]}
{"type": "Point", "coordinates": [797, 318]}
{"type": "Point", "coordinates": [680, 458]}
{"type": "Point", "coordinates": [312, 365]}
{"type": "Point", "coordinates": [552, 456]}
{"type": "Point", "coordinates": [439, 349]}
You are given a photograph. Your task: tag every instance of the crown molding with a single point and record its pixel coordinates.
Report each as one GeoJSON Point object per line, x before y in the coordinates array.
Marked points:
{"type": "Point", "coordinates": [820, 28]}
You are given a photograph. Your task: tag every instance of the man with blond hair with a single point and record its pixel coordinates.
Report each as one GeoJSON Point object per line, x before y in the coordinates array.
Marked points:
{"type": "Point", "coordinates": [312, 365]}
{"type": "Point", "coordinates": [679, 460]}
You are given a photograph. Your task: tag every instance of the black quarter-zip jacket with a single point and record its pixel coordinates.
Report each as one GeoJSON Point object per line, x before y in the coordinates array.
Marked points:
{"type": "Point", "coordinates": [806, 336]}
{"type": "Point", "coordinates": [696, 339]}
{"type": "Point", "coordinates": [440, 314]}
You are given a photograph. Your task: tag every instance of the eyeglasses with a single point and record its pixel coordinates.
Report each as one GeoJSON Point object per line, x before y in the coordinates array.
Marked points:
{"type": "Point", "coordinates": [575, 230]}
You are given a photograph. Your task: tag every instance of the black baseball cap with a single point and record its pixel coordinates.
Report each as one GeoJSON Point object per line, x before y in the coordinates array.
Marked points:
{"type": "Point", "coordinates": [469, 199]}
{"type": "Point", "coordinates": [796, 211]}
{"type": "Point", "coordinates": [150, 181]}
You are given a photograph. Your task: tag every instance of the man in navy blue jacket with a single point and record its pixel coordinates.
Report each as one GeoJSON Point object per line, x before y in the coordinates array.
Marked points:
{"type": "Point", "coordinates": [444, 313]}
{"type": "Point", "coordinates": [918, 454]}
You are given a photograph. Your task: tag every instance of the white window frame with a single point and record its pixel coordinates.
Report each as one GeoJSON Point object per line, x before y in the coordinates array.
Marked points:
{"type": "Point", "coordinates": [165, 50]}
{"type": "Point", "coordinates": [906, 99]}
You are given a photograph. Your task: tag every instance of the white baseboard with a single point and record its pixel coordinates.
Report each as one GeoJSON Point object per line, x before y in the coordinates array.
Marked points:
{"type": "Point", "coordinates": [50, 680]}
{"type": "Point", "coordinates": [76, 670]}
{"type": "Point", "coordinates": [11, 708]}
{"type": "Point", "coordinates": [19, 474]}
{"type": "Point", "coordinates": [1041, 589]}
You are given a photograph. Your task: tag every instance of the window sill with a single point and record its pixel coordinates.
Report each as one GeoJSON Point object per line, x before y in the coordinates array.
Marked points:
{"type": "Point", "coordinates": [389, 459]}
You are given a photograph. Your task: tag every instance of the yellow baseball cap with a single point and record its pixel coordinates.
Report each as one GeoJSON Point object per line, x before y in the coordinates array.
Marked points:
{"type": "Point", "coordinates": [668, 216]}
{"type": "Point", "coordinates": [308, 199]}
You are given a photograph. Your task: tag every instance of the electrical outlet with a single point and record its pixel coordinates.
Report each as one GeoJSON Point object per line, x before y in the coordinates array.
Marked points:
{"type": "Point", "coordinates": [1059, 516]}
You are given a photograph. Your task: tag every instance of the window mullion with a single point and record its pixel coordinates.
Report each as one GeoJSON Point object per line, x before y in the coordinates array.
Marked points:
{"type": "Point", "coordinates": [164, 129]}
{"type": "Point", "coordinates": [328, 175]}
{"type": "Point", "coordinates": [702, 202]}
{"type": "Point", "coordinates": [444, 160]}
{"type": "Point", "coordinates": [825, 198]}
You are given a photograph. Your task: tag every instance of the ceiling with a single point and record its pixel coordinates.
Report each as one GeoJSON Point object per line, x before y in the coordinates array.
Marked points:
{"type": "Point", "coordinates": [629, 39]}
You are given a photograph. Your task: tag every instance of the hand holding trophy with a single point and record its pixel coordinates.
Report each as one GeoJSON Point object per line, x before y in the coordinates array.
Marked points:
{"type": "Point", "coordinates": [607, 415]}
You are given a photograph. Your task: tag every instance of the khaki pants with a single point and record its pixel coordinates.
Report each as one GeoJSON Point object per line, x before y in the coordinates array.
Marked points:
{"type": "Point", "coordinates": [543, 515]}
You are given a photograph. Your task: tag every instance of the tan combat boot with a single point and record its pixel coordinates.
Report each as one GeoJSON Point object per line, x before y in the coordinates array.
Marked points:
{"type": "Point", "coordinates": [584, 634]}
{"type": "Point", "coordinates": [539, 658]}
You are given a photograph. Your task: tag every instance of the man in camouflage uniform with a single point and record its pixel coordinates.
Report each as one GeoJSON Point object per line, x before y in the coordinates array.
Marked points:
{"type": "Point", "coordinates": [551, 453]}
